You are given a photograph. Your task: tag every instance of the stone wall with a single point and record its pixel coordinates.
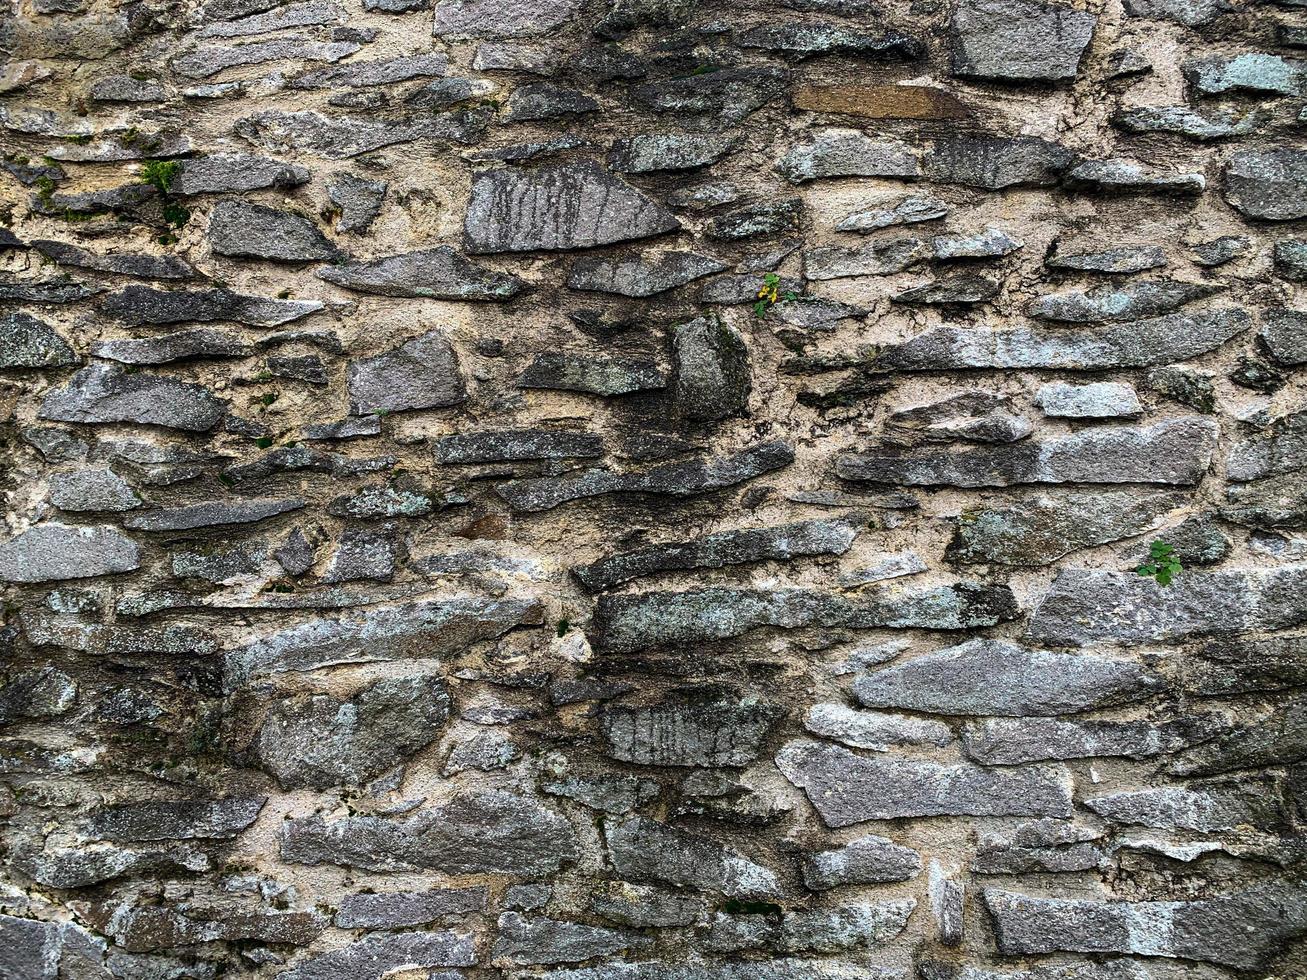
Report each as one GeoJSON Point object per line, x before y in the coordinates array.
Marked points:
{"type": "Point", "coordinates": [652, 489]}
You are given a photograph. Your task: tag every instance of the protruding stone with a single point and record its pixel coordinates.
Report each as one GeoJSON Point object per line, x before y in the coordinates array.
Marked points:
{"type": "Point", "coordinates": [168, 820]}
{"type": "Point", "coordinates": [26, 342]}
{"type": "Point", "coordinates": [891, 212]}
{"type": "Point", "coordinates": [875, 730]}
{"type": "Point", "coordinates": [645, 850]}
{"type": "Point", "coordinates": [606, 376]}
{"type": "Point", "coordinates": [52, 552]}
{"type": "Point", "coordinates": [122, 264]}
{"type": "Point", "coordinates": [688, 729]}
{"type": "Point", "coordinates": [437, 273]}
{"type": "Point", "coordinates": [641, 275]}
{"type": "Point", "coordinates": [1120, 176]}
{"type": "Point", "coordinates": [996, 162]}
{"type": "Point", "coordinates": [189, 517]}
{"type": "Point", "coordinates": [378, 955]}
{"type": "Point", "coordinates": [712, 373]}
{"type": "Point", "coordinates": [1268, 184]}
{"type": "Point", "coordinates": [975, 416]}
{"type": "Point", "coordinates": [868, 860]}
{"type": "Point", "coordinates": [848, 153]}
{"type": "Point", "coordinates": [139, 305]}
{"type": "Point", "coordinates": [650, 152]}
{"type": "Point", "coordinates": [715, 99]}
{"type": "Point", "coordinates": [235, 173]}
{"type": "Point", "coordinates": [422, 373]}
{"type": "Point", "coordinates": [1105, 304]}
{"type": "Point", "coordinates": [876, 258]}
{"type": "Point", "coordinates": [546, 941]}
{"type": "Point", "coordinates": [243, 230]}
{"type": "Point", "coordinates": [102, 393]}
{"type": "Point", "coordinates": [183, 345]}
{"type": "Point", "coordinates": [457, 19]}
{"type": "Point", "coordinates": [1019, 40]}
{"type": "Point", "coordinates": [1102, 400]}
{"type": "Point", "coordinates": [92, 489]}
{"type": "Point", "coordinates": [1120, 260]}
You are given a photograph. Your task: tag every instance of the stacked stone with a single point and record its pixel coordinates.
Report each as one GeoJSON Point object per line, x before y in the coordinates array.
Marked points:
{"type": "Point", "coordinates": [650, 489]}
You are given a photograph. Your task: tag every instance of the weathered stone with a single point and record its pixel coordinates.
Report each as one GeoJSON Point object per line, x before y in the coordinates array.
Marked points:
{"type": "Point", "coordinates": [645, 906]}
{"type": "Point", "coordinates": [516, 445]}
{"type": "Point", "coordinates": [1280, 448]}
{"type": "Point", "coordinates": [780, 543]}
{"type": "Point", "coordinates": [474, 833]}
{"type": "Point", "coordinates": [234, 173]}
{"type": "Point", "coordinates": [140, 305]}
{"type": "Point", "coordinates": [542, 101]}
{"type": "Point", "coordinates": [650, 152]}
{"type": "Point", "coordinates": [243, 230]}
{"type": "Point", "coordinates": [547, 941]}
{"type": "Point", "coordinates": [611, 794]}
{"type": "Point", "coordinates": [488, 18]}
{"type": "Point", "coordinates": [876, 258]}
{"type": "Point", "coordinates": [1183, 121]}
{"type": "Point", "coordinates": [183, 345]}
{"type": "Point", "coordinates": [1243, 929]}
{"type": "Point", "coordinates": [1012, 741]}
{"type": "Point", "coordinates": [717, 98]}
{"type": "Point", "coordinates": [641, 276]}
{"type": "Point", "coordinates": [626, 623]}
{"type": "Point", "coordinates": [214, 513]}
{"type": "Point", "coordinates": [1290, 260]}
{"type": "Point", "coordinates": [995, 162]}
{"type": "Point", "coordinates": [386, 71]}
{"type": "Point", "coordinates": [993, 677]}
{"type": "Point", "coordinates": [1268, 184]}
{"type": "Point", "coordinates": [803, 40]}
{"type": "Point", "coordinates": [42, 693]}
{"type": "Point", "coordinates": [365, 554]}
{"type": "Point", "coordinates": [712, 378]}
{"type": "Point", "coordinates": [1202, 808]}
{"type": "Point", "coordinates": [380, 501]}
{"type": "Point", "coordinates": [422, 373]}
{"type": "Point", "coordinates": [1085, 607]}
{"type": "Point", "coordinates": [848, 153]}
{"type": "Point", "coordinates": [845, 927]}
{"type": "Point", "coordinates": [92, 489]}
{"type": "Point", "coordinates": [143, 266]}
{"type": "Point", "coordinates": [1284, 334]}
{"type": "Point", "coordinates": [874, 730]}
{"type": "Point", "coordinates": [1121, 260]}
{"type": "Point", "coordinates": [990, 243]}
{"type": "Point", "coordinates": [92, 864]}
{"type": "Point", "coordinates": [1104, 304]}
{"type": "Point", "coordinates": [341, 137]}
{"type": "Point", "coordinates": [681, 479]}
{"type": "Point", "coordinates": [376, 956]}
{"type": "Point", "coordinates": [947, 905]}
{"type": "Point", "coordinates": [867, 860]}
{"type": "Point", "coordinates": [641, 849]}
{"type": "Point", "coordinates": [321, 741]}
{"type": "Point", "coordinates": [1102, 400]}
{"type": "Point", "coordinates": [846, 788]}
{"type": "Point", "coordinates": [973, 417]}
{"type": "Point", "coordinates": [1221, 250]}
{"type": "Point", "coordinates": [209, 61]}
{"type": "Point", "coordinates": [438, 273]}
{"type": "Point", "coordinates": [1255, 73]}
{"type": "Point", "coordinates": [962, 290]}
{"type": "Point", "coordinates": [1190, 13]}
{"type": "Point", "coordinates": [26, 342]}
{"type": "Point", "coordinates": [295, 459]}
{"type": "Point", "coordinates": [577, 206]}
{"type": "Point", "coordinates": [904, 210]}
{"type": "Point", "coordinates": [1041, 846]}
{"type": "Point", "coordinates": [607, 376]}
{"type": "Point", "coordinates": [703, 728]}
{"type": "Point", "coordinates": [144, 928]}
{"type": "Point", "coordinates": [350, 427]}
{"type": "Point", "coordinates": [767, 218]}
{"type": "Point", "coordinates": [390, 910]}
{"type": "Point", "coordinates": [103, 394]}
{"type": "Point", "coordinates": [430, 628]}
{"type": "Point", "coordinates": [705, 197]}
{"type": "Point", "coordinates": [1019, 40]}
{"type": "Point", "coordinates": [1120, 176]}
{"type": "Point", "coordinates": [1277, 738]}
{"type": "Point", "coordinates": [168, 820]}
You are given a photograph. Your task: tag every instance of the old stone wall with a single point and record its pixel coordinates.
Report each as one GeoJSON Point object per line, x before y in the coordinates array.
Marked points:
{"type": "Point", "coordinates": [653, 489]}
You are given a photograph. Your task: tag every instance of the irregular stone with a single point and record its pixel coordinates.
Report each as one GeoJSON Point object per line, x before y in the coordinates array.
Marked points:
{"type": "Point", "coordinates": [92, 489]}
{"type": "Point", "coordinates": [183, 345]}
{"type": "Point", "coordinates": [846, 788]}
{"type": "Point", "coordinates": [641, 849]}
{"type": "Point", "coordinates": [767, 218]}
{"type": "Point", "coordinates": [493, 19]}
{"type": "Point", "coordinates": [844, 927]}
{"type": "Point", "coordinates": [546, 941]}
{"type": "Point", "coordinates": [652, 152]}
{"type": "Point", "coordinates": [993, 677]}
{"type": "Point", "coordinates": [947, 905]}
{"type": "Point", "coordinates": [211, 514]}
{"type": "Point", "coordinates": [702, 728]}
{"type": "Point", "coordinates": [169, 820]}
{"type": "Point", "coordinates": [1280, 448]}
{"type": "Point", "coordinates": [561, 207]}
{"type": "Point", "coordinates": [1290, 260]}
{"type": "Point", "coordinates": [1116, 261]}
{"type": "Point", "coordinates": [385, 71]}
{"type": "Point", "coordinates": [474, 833]}
{"type": "Point", "coordinates": [358, 200]}
{"type": "Point", "coordinates": [42, 693]}
{"type": "Point", "coordinates": [26, 342]}
{"type": "Point", "coordinates": [712, 378]}
{"type": "Point", "coordinates": [145, 928]}
{"type": "Point", "coordinates": [1183, 121]}
{"type": "Point", "coordinates": [988, 244]}
{"type": "Point", "coordinates": [1284, 334]}
{"type": "Point", "coordinates": [102, 394]}
{"type": "Point", "coordinates": [93, 864]}
{"type": "Point", "coordinates": [705, 197]}
{"type": "Point", "coordinates": [1202, 808]}
{"type": "Point", "coordinates": [294, 459]}
{"type": "Point", "coordinates": [365, 554]}
{"type": "Point", "coordinates": [641, 275]}
{"type": "Point", "coordinates": [143, 266]}
{"type": "Point", "coordinates": [1130, 177]}
{"type": "Point", "coordinates": [645, 906]}
{"type": "Point", "coordinates": [62, 289]}
{"type": "Point", "coordinates": [1255, 73]}
{"type": "Point", "coordinates": [375, 956]}
{"type": "Point", "coordinates": [1277, 738]}
{"type": "Point", "coordinates": [380, 501]}
{"type": "Point", "coordinates": [803, 40]}
{"type": "Point", "coordinates": [1244, 930]}
{"type": "Point", "coordinates": [1085, 607]}
{"type": "Point", "coordinates": [1175, 452]}
{"type": "Point", "coordinates": [350, 427]}
{"type": "Point", "coordinates": [390, 910]}
{"type": "Point", "coordinates": [208, 61]}
{"type": "Point", "coordinates": [874, 730]}
{"type": "Point", "coordinates": [718, 99]}
{"type": "Point", "coordinates": [876, 258]}
{"type": "Point", "coordinates": [1104, 304]}
{"type": "Point", "coordinates": [541, 101]}
{"type": "Point", "coordinates": [1268, 184]}
{"type": "Point", "coordinates": [422, 373]}
{"type": "Point", "coordinates": [124, 88]}
{"type": "Point", "coordinates": [627, 623]}
{"type": "Point", "coordinates": [972, 416]}
{"type": "Point", "coordinates": [892, 212]}
{"type": "Point", "coordinates": [516, 445]}
{"type": "Point", "coordinates": [234, 173]}
{"type": "Point", "coordinates": [1013, 741]}
{"type": "Point", "coordinates": [484, 751]}
{"type": "Point", "coordinates": [1019, 40]}
{"type": "Point", "coordinates": [1190, 13]}
{"type": "Point", "coordinates": [1041, 846]}
{"type": "Point", "coordinates": [780, 543]}
{"type": "Point", "coordinates": [447, 92]}
{"type": "Point", "coordinates": [678, 479]}
{"type": "Point", "coordinates": [243, 230]}
{"type": "Point", "coordinates": [437, 273]}
{"type": "Point", "coordinates": [959, 290]}
{"type": "Point", "coordinates": [611, 794]}
{"type": "Point", "coordinates": [996, 162]}
{"type": "Point", "coordinates": [429, 628]}
{"type": "Point", "coordinates": [140, 305]}
{"type": "Point", "coordinates": [848, 153]}
{"type": "Point", "coordinates": [321, 741]}
{"type": "Point", "coordinates": [867, 860]}
{"type": "Point", "coordinates": [1102, 400]}
{"type": "Point", "coordinates": [341, 137]}
{"type": "Point", "coordinates": [1221, 250]}
{"type": "Point", "coordinates": [607, 376]}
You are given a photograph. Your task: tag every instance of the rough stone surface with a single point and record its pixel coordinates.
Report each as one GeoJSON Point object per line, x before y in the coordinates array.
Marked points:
{"type": "Point", "coordinates": [438, 273]}
{"type": "Point", "coordinates": [423, 373]}
{"type": "Point", "coordinates": [1017, 40]}
{"type": "Point", "coordinates": [105, 394]}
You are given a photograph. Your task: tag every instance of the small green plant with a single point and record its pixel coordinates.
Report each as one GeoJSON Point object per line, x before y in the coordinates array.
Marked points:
{"type": "Point", "coordinates": [1162, 563]}
{"type": "Point", "coordinates": [263, 442]}
{"type": "Point", "coordinates": [160, 175]}
{"type": "Point", "coordinates": [769, 294]}
{"type": "Point", "coordinates": [563, 626]}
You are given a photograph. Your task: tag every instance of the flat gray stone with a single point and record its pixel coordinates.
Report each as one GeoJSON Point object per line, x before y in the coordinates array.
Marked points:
{"type": "Point", "coordinates": [1038, 846]}
{"type": "Point", "coordinates": [1268, 184]}
{"type": "Point", "coordinates": [626, 623]}
{"type": "Point", "coordinates": [876, 258]}
{"type": "Point", "coordinates": [1100, 400]}
{"type": "Point", "coordinates": [373, 957]}
{"type": "Point", "coordinates": [688, 729]}
{"type": "Point", "coordinates": [711, 376]}
{"type": "Point", "coordinates": [1120, 260]}
{"type": "Point", "coordinates": [875, 730]}
{"type": "Point", "coordinates": [561, 207]}
{"type": "Point", "coordinates": [848, 153]}
{"type": "Point", "coordinates": [974, 416]}
{"type": "Point", "coordinates": [998, 162]}
{"type": "Point", "coordinates": [713, 100]}
{"type": "Point", "coordinates": [544, 101]}
{"type": "Point", "coordinates": [341, 137]}
{"type": "Point", "coordinates": [220, 818]}
{"type": "Point", "coordinates": [652, 152]}
{"type": "Point", "coordinates": [1189, 123]}
{"type": "Point", "coordinates": [1284, 334]}
{"type": "Point", "coordinates": [474, 833]}
{"type": "Point", "coordinates": [1019, 40]}
{"type": "Point", "coordinates": [422, 373]}
{"type": "Point", "coordinates": [1251, 72]}
{"type": "Point", "coordinates": [102, 393]}
{"type": "Point", "coordinates": [359, 201]}
{"type": "Point", "coordinates": [1201, 808]}
{"type": "Point", "coordinates": [1221, 250]}
{"type": "Point", "coordinates": [436, 273]}
{"type": "Point", "coordinates": [846, 788]}
{"type": "Point", "coordinates": [118, 263]}
{"type": "Point", "coordinates": [641, 849]}
{"type": "Point", "coordinates": [960, 290]}
{"type": "Point", "coordinates": [392, 910]}
{"type": "Point", "coordinates": [140, 305]}
{"type": "Point", "coordinates": [1105, 304]}
{"type": "Point", "coordinates": [189, 517]}
{"type": "Point", "coordinates": [52, 552]}
{"type": "Point", "coordinates": [26, 342]}
{"type": "Point", "coordinates": [990, 243]}
{"type": "Point", "coordinates": [1013, 741]}
{"type": "Point", "coordinates": [243, 230]}
{"type": "Point", "coordinates": [382, 71]}
{"type": "Point", "coordinates": [866, 860]}
{"type": "Point", "coordinates": [1120, 176]}
{"type": "Point", "coordinates": [497, 19]}
{"type": "Point", "coordinates": [184, 345]}
{"type": "Point", "coordinates": [209, 61]}
{"type": "Point", "coordinates": [895, 211]}
{"type": "Point", "coordinates": [514, 445]}
{"type": "Point", "coordinates": [1190, 13]}
{"type": "Point", "coordinates": [641, 275]}
{"type": "Point", "coordinates": [546, 941]}
{"type": "Point", "coordinates": [235, 173]}
{"type": "Point", "coordinates": [96, 488]}
{"type": "Point", "coordinates": [606, 376]}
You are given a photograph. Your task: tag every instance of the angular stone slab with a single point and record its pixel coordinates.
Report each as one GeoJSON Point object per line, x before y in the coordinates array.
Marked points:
{"type": "Point", "coordinates": [235, 173]}
{"type": "Point", "coordinates": [515, 445]}
{"type": "Point", "coordinates": [605, 376]}
{"type": "Point", "coordinates": [167, 820]}
{"type": "Point", "coordinates": [497, 19]}
{"type": "Point", "coordinates": [781, 543]}
{"type": "Point", "coordinates": [423, 373]}
{"type": "Point", "coordinates": [627, 623]}
{"type": "Point", "coordinates": [641, 275]}
{"type": "Point", "coordinates": [846, 788]}
{"type": "Point", "coordinates": [548, 941]}
{"type": "Point", "coordinates": [391, 910]}
{"type": "Point", "coordinates": [189, 517]}
{"type": "Point", "coordinates": [1121, 176]}
{"type": "Point", "coordinates": [379, 955]}
{"type": "Point", "coordinates": [1019, 40]}
{"type": "Point", "coordinates": [26, 342]}
{"type": "Point", "coordinates": [688, 730]}
{"type": "Point", "coordinates": [877, 258]}
{"type": "Point", "coordinates": [875, 730]}
{"type": "Point", "coordinates": [716, 99]}
{"type": "Point", "coordinates": [1243, 930]}
{"type": "Point", "coordinates": [1268, 184]}
{"type": "Point", "coordinates": [1144, 343]}
{"type": "Point", "coordinates": [712, 371]}
{"type": "Point", "coordinates": [560, 207]}
{"type": "Point", "coordinates": [646, 850]}
{"type": "Point", "coordinates": [848, 153]}
{"type": "Point", "coordinates": [997, 162]}
{"type": "Point", "coordinates": [1085, 607]}
{"type": "Point", "coordinates": [776, 968]}
{"type": "Point", "coordinates": [102, 393]}
{"type": "Point", "coordinates": [994, 677]}
{"type": "Point", "coordinates": [95, 488]}
{"type": "Point", "coordinates": [1200, 808]}
{"type": "Point", "coordinates": [122, 264]}
{"type": "Point", "coordinates": [436, 273]}
{"type": "Point", "coordinates": [1114, 303]}
{"type": "Point", "coordinates": [340, 137]}
{"type": "Point", "coordinates": [474, 833]}
{"type": "Point", "coordinates": [53, 552]}
{"type": "Point", "coordinates": [141, 305]}
{"type": "Point", "coordinates": [1013, 741]}
{"type": "Point", "coordinates": [243, 230]}
{"type": "Point", "coordinates": [1113, 261]}
{"type": "Point", "coordinates": [671, 479]}
{"type": "Point", "coordinates": [866, 860]}
{"type": "Point", "coordinates": [184, 345]}
{"type": "Point", "coordinates": [1175, 452]}
{"type": "Point", "coordinates": [651, 152]}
